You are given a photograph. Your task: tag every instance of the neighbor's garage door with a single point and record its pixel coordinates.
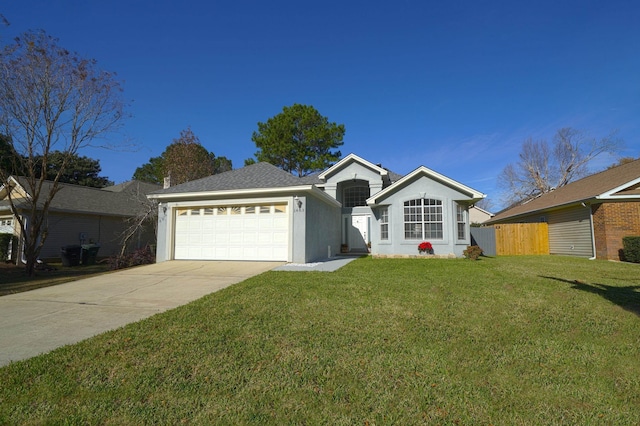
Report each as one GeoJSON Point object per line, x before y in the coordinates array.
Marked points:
{"type": "Point", "coordinates": [251, 232]}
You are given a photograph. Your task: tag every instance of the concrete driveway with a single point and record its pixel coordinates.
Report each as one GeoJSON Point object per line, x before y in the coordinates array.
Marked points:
{"type": "Point", "coordinates": [41, 320]}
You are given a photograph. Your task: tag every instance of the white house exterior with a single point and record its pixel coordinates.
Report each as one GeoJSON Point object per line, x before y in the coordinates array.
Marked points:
{"type": "Point", "coordinates": [260, 212]}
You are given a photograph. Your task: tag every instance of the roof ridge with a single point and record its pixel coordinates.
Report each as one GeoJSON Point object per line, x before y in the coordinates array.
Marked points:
{"type": "Point", "coordinates": [585, 188]}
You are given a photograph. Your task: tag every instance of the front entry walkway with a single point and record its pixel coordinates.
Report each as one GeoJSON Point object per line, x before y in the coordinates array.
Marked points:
{"type": "Point", "coordinates": [41, 320]}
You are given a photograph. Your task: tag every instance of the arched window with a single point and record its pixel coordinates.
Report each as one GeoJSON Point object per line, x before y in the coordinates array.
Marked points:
{"type": "Point", "coordinates": [423, 219]}
{"type": "Point", "coordinates": [355, 196]}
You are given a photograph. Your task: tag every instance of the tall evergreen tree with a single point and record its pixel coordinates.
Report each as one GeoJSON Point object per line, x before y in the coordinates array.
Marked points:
{"type": "Point", "coordinates": [298, 140]}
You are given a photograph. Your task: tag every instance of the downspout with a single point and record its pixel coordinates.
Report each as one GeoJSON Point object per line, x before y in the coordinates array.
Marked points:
{"type": "Point", "coordinates": [593, 235]}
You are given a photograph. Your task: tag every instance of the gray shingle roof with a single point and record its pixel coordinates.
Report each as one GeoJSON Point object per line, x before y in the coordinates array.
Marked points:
{"type": "Point", "coordinates": [121, 200]}
{"type": "Point", "coordinates": [255, 176]}
{"type": "Point", "coordinates": [580, 190]}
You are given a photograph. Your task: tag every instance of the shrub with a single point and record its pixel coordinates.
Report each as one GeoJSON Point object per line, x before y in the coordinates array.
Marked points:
{"type": "Point", "coordinates": [472, 252]}
{"type": "Point", "coordinates": [631, 250]}
{"type": "Point", "coordinates": [5, 240]}
{"type": "Point", "coordinates": [143, 256]}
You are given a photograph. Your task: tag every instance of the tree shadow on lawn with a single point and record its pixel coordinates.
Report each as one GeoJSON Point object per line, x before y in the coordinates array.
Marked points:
{"type": "Point", "coordinates": [628, 297]}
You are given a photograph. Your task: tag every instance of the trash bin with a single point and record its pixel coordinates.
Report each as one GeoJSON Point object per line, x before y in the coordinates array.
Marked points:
{"type": "Point", "coordinates": [89, 253]}
{"type": "Point", "coordinates": [70, 255]}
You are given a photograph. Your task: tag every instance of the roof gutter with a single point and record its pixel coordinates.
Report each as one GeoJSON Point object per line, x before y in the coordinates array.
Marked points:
{"type": "Point", "coordinates": [543, 210]}
{"type": "Point", "coordinates": [292, 190]}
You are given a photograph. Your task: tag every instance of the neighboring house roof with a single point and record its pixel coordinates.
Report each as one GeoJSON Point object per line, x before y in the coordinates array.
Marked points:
{"type": "Point", "coordinates": [118, 200]}
{"type": "Point", "coordinates": [483, 211]}
{"type": "Point", "coordinates": [618, 183]}
{"type": "Point", "coordinates": [424, 171]}
{"type": "Point", "coordinates": [133, 186]}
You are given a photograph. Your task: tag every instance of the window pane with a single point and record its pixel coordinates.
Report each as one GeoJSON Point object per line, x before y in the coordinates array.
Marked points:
{"type": "Point", "coordinates": [280, 208]}
{"type": "Point", "coordinates": [462, 221]}
{"type": "Point", "coordinates": [222, 210]}
{"type": "Point", "coordinates": [250, 210]}
{"type": "Point", "coordinates": [355, 196]}
{"type": "Point", "coordinates": [265, 209]}
{"type": "Point", "coordinates": [384, 224]}
{"type": "Point", "coordinates": [423, 219]}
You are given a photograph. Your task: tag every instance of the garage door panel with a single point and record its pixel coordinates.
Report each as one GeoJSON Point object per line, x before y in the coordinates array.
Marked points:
{"type": "Point", "coordinates": [280, 222]}
{"type": "Point", "coordinates": [249, 237]}
{"type": "Point", "coordinates": [232, 233]}
{"type": "Point", "coordinates": [235, 238]}
{"type": "Point", "coordinates": [249, 252]}
{"type": "Point", "coordinates": [280, 237]}
{"type": "Point", "coordinates": [208, 253]}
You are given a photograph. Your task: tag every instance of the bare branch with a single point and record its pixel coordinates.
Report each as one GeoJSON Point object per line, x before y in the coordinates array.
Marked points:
{"type": "Point", "coordinates": [541, 169]}
{"type": "Point", "coordinates": [50, 99]}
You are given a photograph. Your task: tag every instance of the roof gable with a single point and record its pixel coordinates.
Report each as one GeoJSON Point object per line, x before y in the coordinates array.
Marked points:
{"type": "Point", "coordinates": [619, 182]}
{"type": "Point", "coordinates": [424, 171]}
{"type": "Point", "coordinates": [351, 158]}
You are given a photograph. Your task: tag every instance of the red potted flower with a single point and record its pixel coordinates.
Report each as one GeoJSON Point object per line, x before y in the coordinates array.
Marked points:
{"type": "Point", "coordinates": [425, 247]}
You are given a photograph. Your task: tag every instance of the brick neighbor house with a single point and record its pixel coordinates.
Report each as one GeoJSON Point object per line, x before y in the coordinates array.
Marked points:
{"type": "Point", "coordinates": [588, 217]}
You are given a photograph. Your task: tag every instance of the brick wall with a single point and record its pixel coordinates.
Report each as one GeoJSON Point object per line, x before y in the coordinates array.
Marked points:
{"type": "Point", "coordinates": [612, 222]}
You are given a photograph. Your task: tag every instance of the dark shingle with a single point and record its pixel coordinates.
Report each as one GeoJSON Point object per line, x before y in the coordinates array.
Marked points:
{"type": "Point", "coordinates": [83, 199]}
{"type": "Point", "coordinates": [583, 189]}
{"type": "Point", "coordinates": [255, 176]}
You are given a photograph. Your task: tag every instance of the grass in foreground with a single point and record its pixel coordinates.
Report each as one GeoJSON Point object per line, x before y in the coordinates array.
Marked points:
{"type": "Point", "coordinates": [514, 340]}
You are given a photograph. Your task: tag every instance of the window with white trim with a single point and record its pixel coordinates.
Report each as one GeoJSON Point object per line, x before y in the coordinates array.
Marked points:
{"type": "Point", "coordinates": [423, 219]}
{"type": "Point", "coordinates": [461, 219]}
{"type": "Point", "coordinates": [384, 223]}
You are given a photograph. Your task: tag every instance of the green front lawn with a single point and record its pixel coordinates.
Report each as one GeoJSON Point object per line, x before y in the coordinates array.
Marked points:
{"type": "Point", "coordinates": [512, 340]}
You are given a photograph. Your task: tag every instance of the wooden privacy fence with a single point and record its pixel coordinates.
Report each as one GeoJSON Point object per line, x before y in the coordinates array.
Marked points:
{"type": "Point", "coordinates": [522, 238]}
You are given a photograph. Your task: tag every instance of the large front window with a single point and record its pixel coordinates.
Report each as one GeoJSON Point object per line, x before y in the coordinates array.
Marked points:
{"type": "Point", "coordinates": [423, 219]}
{"type": "Point", "coordinates": [355, 196]}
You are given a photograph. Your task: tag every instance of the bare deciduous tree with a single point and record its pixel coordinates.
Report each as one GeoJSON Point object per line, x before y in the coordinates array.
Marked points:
{"type": "Point", "coordinates": [542, 168]}
{"type": "Point", "coordinates": [50, 100]}
{"type": "Point", "coordinates": [146, 217]}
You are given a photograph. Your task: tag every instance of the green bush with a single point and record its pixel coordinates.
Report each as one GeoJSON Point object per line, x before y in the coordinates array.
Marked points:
{"type": "Point", "coordinates": [631, 250]}
{"type": "Point", "coordinates": [5, 240]}
{"type": "Point", "coordinates": [472, 252]}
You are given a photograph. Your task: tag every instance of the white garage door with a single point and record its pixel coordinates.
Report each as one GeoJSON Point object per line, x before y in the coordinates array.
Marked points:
{"type": "Point", "coordinates": [251, 232]}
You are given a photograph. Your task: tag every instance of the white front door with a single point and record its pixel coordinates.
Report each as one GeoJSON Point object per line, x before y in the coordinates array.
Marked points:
{"type": "Point", "coordinates": [358, 232]}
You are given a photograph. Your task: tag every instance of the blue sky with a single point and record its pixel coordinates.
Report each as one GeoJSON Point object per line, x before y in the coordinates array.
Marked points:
{"type": "Point", "coordinates": [456, 86]}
